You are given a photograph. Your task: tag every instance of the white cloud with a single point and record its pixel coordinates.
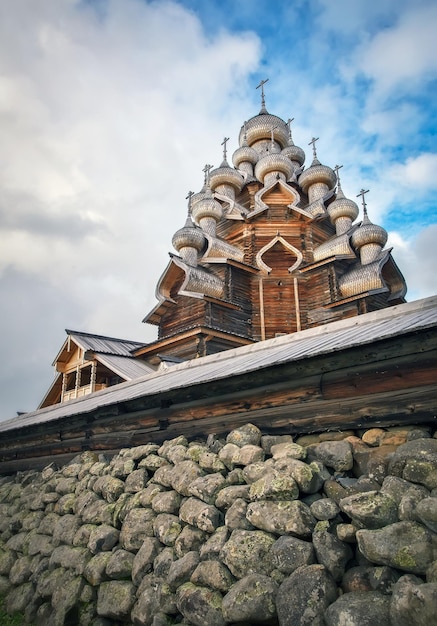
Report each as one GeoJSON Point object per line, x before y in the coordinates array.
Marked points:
{"type": "Point", "coordinates": [417, 258]}
{"type": "Point", "coordinates": [400, 56]}
{"type": "Point", "coordinates": [419, 173]}
{"type": "Point", "coordinates": [106, 120]}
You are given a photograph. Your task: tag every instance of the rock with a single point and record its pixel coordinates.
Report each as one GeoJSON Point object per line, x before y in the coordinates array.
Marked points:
{"type": "Point", "coordinates": [95, 569]}
{"type": "Point", "coordinates": [213, 574]}
{"type": "Point", "coordinates": [288, 450]}
{"type": "Point", "coordinates": [324, 509]}
{"type": "Point", "coordinates": [66, 598]}
{"type": "Point", "coordinates": [144, 558]}
{"type": "Point", "coordinates": [267, 441]}
{"type": "Point", "coordinates": [147, 607]}
{"type": "Point", "coordinates": [359, 609]}
{"type": "Point", "coordinates": [103, 538]}
{"type": "Point", "coordinates": [346, 532]}
{"type": "Point", "coordinates": [98, 512]}
{"type": "Point", "coordinates": [19, 597]}
{"type": "Point", "coordinates": [137, 525]}
{"type": "Point", "coordinates": [109, 488]}
{"type": "Point", "coordinates": [236, 516]}
{"type": "Point", "coordinates": [167, 502]}
{"type": "Point", "coordinates": [121, 467]}
{"type": "Point", "coordinates": [407, 546]}
{"type": "Point", "coordinates": [119, 566]}
{"type": "Point", "coordinates": [167, 528]}
{"type": "Point", "coordinates": [407, 509]}
{"type": "Point", "coordinates": [248, 552]}
{"type": "Point", "coordinates": [274, 485]}
{"type": "Point", "coordinates": [162, 562]}
{"type": "Point", "coordinates": [416, 461]}
{"type": "Point", "coordinates": [20, 570]}
{"type": "Point", "coordinates": [290, 553]}
{"type": "Point", "coordinates": [181, 570]}
{"type": "Point", "coordinates": [249, 454]}
{"type": "Point", "coordinates": [228, 495]}
{"type": "Point", "coordinates": [189, 539]}
{"type": "Point", "coordinates": [251, 599]}
{"type": "Point", "coordinates": [426, 512]}
{"type": "Point", "coordinates": [281, 517]}
{"type": "Point", "coordinates": [210, 462]}
{"type": "Point", "coordinates": [304, 596]}
{"type": "Point", "coordinates": [372, 509]}
{"type": "Point", "coordinates": [245, 435]}
{"type": "Point", "coordinates": [413, 603]}
{"type": "Point", "coordinates": [206, 487]}
{"type": "Point", "coordinates": [200, 605]}
{"type": "Point", "coordinates": [147, 495]}
{"type": "Point", "coordinates": [183, 475]}
{"type": "Point", "coordinates": [115, 599]}
{"type": "Point", "coordinates": [332, 553]}
{"type": "Point", "coordinates": [212, 547]}
{"type": "Point", "coordinates": [197, 513]}
{"type": "Point", "coordinates": [228, 453]}
{"type": "Point", "coordinates": [136, 480]}
{"type": "Point", "coordinates": [335, 454]}
{"type": "Point", "coordinates": [71, 558]}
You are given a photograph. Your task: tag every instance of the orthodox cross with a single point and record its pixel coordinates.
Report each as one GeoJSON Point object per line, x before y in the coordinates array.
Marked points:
{"type": "Point", "coordinates": [188, 197]}
{"type": "Point", "coordinates": [223, 143]}
{"type": "Point", "coordinates": [313, 143]}
{"type": "Point", "coordinates": [262, 83]}
{"type": "Point", "coordinates": [362, 192]}
{"type": "Point", "coordinates": [336, 168]}
{"type": "Point", "coordinates": [206, 171]}
{"type": "Point", "coordinates": [290, 119]}
{"type": "Point", "coordinates": [272, 135]}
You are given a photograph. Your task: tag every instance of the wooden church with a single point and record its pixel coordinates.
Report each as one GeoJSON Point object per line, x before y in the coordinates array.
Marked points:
{"type": "Point", "coordinates": [268, 248]}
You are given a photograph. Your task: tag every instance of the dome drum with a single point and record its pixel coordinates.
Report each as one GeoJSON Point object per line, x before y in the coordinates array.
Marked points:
{"type": "Point", "coordinates": [317, 191]}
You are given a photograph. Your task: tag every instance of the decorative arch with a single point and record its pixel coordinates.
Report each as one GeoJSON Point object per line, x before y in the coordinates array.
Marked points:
{"type": "Point", "coordinates": [278, 238]}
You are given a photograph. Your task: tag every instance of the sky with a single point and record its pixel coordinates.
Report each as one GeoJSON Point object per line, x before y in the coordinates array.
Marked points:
{"type": "Point", "coordinates": [109, 110]}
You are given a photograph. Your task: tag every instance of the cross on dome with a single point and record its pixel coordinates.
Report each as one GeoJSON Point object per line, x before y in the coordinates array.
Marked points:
{"type": "Point", "coordinates": [188, 197]}
{"type": "Point", "coordinates": [207, 169]}
{"type": "Point", "coordinates": [223, 143]}
{"type": "Point", "coordinates": [336, 168]}
{"type": "Point", "coordinates": [313, 143]}
{"type": "Point", "coordinates": [263, 102]}
{"type": "Point", "coordinates": [362, 192]}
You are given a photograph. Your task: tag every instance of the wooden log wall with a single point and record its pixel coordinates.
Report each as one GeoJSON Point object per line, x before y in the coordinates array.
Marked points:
{"type": "Point", "coordinates": [391, 382]}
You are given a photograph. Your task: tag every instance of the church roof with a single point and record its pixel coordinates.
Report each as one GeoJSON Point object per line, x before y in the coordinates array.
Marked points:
{"type": "Point", "coordinates": [370, 328]}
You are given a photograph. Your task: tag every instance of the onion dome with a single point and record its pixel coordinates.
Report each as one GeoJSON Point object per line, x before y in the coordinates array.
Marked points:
{"type": "Point", "coordinates": [207, 212]}
{"type": "Point", "coordinates": [294, 153]}
{"type": "Point", "coordinates": [244, 154]}
{"type": "Point", "coordinates": [261, 126]}
{"type": "Point", "coordinates": [342, 211]}
{"type": "Point", "coordinates": [318, 178]}
{"type": "Point", "coordinates": [369, 238]}
{"type": "Point", "coordinates": [226, 176]}
{"type": "Point", "coordinates": [189, 236]}
{"type": "Point", "coordinates": [189, 240]}
{"type": "Point", "coordinates": [273, 163]}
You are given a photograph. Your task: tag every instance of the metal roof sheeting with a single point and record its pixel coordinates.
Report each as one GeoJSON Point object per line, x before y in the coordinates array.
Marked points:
{"type": "Point", "coordinates": [104, 345]}
{"type": "Point", "coordinates": [332, 337]}
{"type": "Point", "coordinates": [126, 367]}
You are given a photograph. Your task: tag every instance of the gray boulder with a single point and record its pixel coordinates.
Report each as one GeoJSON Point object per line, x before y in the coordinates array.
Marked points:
{"type": "Point", "coordinates": [359, 609]}
{"type": "Point", "coordinates": [407, 546]}
{"type": "Point", "coordinates": [200, 605]}
{"type": "Point", "coordinates": [304, 596]}
{"type": "Point", "coordinates": [251, 599]}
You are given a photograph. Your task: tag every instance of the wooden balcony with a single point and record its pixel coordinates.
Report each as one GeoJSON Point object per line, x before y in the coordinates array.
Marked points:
{"type": "Point", "coordinates": [72, 394]}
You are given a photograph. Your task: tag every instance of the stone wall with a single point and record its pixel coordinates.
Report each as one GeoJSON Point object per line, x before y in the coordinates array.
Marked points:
{"type": "Point", "coordinates": [329, 529]}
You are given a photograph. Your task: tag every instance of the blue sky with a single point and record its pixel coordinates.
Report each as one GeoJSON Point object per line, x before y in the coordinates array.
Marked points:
{"type": "Point", "coordinates": [109, 110]}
